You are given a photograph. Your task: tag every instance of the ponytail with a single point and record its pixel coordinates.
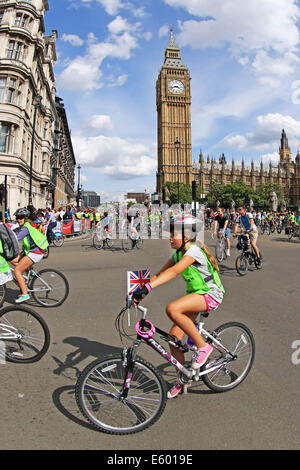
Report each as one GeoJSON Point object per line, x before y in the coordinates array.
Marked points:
{"type": "Point", "coordinates": [210, 257]}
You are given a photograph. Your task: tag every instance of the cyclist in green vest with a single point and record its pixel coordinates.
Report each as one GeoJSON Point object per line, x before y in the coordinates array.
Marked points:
{"type": "Point", "coordinates": [5, 270]}
{"type": "Point", "coordinates": [204, 290]}
{"type": "Point", "coordinates": [34, 242]}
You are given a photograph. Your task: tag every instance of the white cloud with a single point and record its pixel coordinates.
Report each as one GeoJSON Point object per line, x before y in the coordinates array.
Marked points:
{"type": "Point", "coordinates": [267, 134]}
{"type": "Point", "coordinates": [111, 7]}
{"type": "Point", "coordinates": [114, 156]}
{"type": "Point", "coordinates": [119, 25]}
{"type": "Point", "coordinates": [98, 122]}
{"type": "Point", "coordinates": [73, 39]}
{"type": "Point", "coordinates": [119, 81]}
{"type": "Point", "coordinates": [247, 25]}
{"type": "Point", "coordinates": [163, 31]}
{"type": "Point", "coordinates": [271, 70]}
{"type": "Point", "coordinates": [261, 34]}
{"type": "Point", "coordinates": [83, 73]}
{"type": "Point", "coordinates": [270, 157]}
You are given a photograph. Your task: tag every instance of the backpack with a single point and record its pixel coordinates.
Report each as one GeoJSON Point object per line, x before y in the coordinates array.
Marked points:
{"type": "Point", "coordinates": [10, 244]}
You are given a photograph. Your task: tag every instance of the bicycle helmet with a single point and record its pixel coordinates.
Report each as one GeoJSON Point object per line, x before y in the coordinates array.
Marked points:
{"type": "Point", "coordinates": [189, 226]}
{"type": "Point", "coordinates": [22, 213]}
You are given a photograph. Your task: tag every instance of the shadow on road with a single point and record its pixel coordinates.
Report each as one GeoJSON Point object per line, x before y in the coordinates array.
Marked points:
{"type": "Point", "coordinates": [84, 349]}
{"type": "Point", "coordinates": [64, 397]}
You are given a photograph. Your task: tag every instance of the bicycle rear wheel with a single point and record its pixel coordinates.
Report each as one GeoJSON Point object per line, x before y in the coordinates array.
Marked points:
{"type": "Point", "coordinates": [238, 339]}
{"type": "Point", "coordinates": [241, 265]}
{"type": "Point", "coordinates": [98, 391]}
{"type": "Point", "coordinates": [258, 261]}
{"type": "Point", "coordinates": [109, 242]}
{"type": "Point", "coordinates": [49, 287]}
{"type": "Point", "coordinates": [24, 333]}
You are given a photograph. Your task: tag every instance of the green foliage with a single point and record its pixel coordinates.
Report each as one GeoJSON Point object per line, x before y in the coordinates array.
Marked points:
{"type": "Point", "coordinates": [241, 193]}
{"type": "Point", "coordinates": [185, 192]}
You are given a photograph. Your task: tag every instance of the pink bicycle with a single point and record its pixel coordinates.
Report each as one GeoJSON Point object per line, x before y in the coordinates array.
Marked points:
{"type": "Point", "coordinates": [123, 394]}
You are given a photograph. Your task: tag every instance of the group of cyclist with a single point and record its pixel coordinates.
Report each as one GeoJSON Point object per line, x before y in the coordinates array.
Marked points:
{"type": "Point", "coordinates": [34, 242]}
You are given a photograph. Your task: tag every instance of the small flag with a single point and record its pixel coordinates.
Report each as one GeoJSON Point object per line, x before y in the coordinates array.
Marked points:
{"type": "Point", "coordinates": [136, 280]}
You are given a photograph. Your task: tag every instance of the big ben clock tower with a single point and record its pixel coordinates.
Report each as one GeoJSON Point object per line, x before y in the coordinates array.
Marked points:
{"type": "Point", "coordinates": [173, 103]}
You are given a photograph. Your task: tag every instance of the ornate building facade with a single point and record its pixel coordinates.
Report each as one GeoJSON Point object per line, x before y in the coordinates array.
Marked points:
{"type": "Point", "coordinates": [173, 103]}
{"type": "Point", "coordinates": [286, 173]}
{"type": "Point", "coordinates": [28, 108]}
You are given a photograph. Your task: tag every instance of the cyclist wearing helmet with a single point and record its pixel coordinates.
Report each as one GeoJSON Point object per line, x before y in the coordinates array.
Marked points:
{"type": "Point", "coordinates": [199, 269]}
{"type": "Point", "coordinates": [34, 242]}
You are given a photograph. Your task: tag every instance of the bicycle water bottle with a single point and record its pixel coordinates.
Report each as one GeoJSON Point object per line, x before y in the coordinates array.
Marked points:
{"type": "Point", "coordinates": [190, 342]}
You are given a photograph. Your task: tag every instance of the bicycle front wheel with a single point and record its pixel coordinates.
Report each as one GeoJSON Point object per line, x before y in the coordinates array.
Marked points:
{"type": "Point", "coordinates": [98, 395]}
{"type": "Point", "coordinates": [219, 251]}
{"type": "Point", "coordinates": [139, 243]}
{"type": "Point", "coordinates": [2, 294]}
{"type": "Point", "coordinates": [97, 242]}
{"type": "Point", "coordinates": [49, 288]}
{"type": "Point", "coordinates": [127, 244]}
{"type": "Point", "coordinates": [58, 240]}
{"type": "Point", "coordinates": [236, 364]}
{"type": "Point", "coordinates": [24, 333]}
{"type": "Point", "coordinates": [241, 265]}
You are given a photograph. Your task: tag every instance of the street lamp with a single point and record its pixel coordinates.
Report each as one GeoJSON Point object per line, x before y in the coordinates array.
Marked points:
{"type": "Point", "coordinates": [78, 186]}
{"type": "Point", "coordinates": [177, 147]}
{"type": "Point", "coordinates": [36, 103]}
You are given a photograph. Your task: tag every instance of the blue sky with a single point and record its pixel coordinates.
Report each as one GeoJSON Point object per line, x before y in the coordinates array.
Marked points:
{"type": "Point", "coordinates": [243, 58]}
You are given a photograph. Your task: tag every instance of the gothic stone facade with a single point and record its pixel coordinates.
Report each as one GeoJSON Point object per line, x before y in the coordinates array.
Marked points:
{"type": "Point", "coordinates": [173, 103]}
{"type": "Point", "coordinates": [286, 173]}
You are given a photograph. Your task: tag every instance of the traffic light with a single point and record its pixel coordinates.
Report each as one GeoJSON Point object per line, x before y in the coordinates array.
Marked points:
{"type": "Point", "coordinates": [194, 190]}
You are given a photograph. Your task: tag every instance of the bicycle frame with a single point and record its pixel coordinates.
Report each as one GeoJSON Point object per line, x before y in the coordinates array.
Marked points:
{"type": "Point", "coordinates": [147, 337]}
{"type": "Point", "coordinates": [27, 278]}
{"type": "Point", "coordinates": [8, 332]}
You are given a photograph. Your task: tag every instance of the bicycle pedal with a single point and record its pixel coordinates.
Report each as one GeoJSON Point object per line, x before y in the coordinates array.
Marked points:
{"type": "Point", "coordinates": [197, 375]}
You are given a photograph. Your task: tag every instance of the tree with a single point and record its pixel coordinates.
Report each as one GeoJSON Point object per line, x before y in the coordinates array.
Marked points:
{"type": "Point", "coordinates": [226, 193]}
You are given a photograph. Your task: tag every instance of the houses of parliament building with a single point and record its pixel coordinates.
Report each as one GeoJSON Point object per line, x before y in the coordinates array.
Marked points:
{"type": "Point", "coordinates": [173, 103]}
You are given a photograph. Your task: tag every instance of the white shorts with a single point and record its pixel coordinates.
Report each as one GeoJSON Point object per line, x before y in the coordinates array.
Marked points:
{"type": "Point", "coordinates": [35, 257]}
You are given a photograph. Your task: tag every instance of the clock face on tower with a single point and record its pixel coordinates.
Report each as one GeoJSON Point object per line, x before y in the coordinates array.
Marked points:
{"type": "Point", "coordinates": [176, 87]}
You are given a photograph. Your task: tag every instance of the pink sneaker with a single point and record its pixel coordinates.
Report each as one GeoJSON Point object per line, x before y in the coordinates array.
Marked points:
{"type": "Point", "coordinates": [176, 389]}
{"type": "Point", "coordinates": [200, 356]}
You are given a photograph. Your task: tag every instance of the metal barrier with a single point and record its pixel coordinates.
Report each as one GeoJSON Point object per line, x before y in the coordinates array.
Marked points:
{"type": "Point", "coordinates": [72, 226]}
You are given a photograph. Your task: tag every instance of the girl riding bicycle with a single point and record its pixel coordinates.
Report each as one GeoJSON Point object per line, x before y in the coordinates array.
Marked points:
{"type": "Point", "coordinates": [34, 242]}
{"type": "Point", "coordinates": [199, 269]}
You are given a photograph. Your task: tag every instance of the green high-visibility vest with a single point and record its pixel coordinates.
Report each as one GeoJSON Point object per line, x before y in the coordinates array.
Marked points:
{"type": "Point", "coordinates": [195, 283]}
{"type": "Point", "coordinates": [4, 265]}
{"type": "Point", "coordinates": [38, 238]}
